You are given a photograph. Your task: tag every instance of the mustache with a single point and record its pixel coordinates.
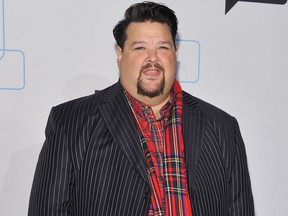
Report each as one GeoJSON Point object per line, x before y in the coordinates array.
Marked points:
{"type": "Point", "coordinates": [150, 65]}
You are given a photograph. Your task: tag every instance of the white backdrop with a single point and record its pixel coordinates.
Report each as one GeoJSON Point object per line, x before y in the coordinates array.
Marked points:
{"type": "Point", "coordinates": [54, 51]}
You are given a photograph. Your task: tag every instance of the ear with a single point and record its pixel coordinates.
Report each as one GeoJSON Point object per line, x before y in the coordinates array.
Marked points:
{"type": "Point", "coordinates": [119, 52]}
{"type": "Point", "coordinates": [176, 49]}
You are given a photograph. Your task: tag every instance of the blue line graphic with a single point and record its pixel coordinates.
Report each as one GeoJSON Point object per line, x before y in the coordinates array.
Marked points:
{"type": "Point", "coordinates": [23, 73]}
{"type": "Point", "coordinates": [3, 31]}
{"type": "Point", "coordinates": [198, 61]}
{"type": "Point", "coordinates": [3, 51]}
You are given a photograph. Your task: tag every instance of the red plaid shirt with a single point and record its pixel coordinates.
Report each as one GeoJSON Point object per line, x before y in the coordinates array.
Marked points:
{"type": "Point", "coordinates": [163, 148]}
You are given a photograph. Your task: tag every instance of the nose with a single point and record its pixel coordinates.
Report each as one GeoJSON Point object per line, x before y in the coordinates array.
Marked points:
{"type": "Point", "coordinates": [152, 56]}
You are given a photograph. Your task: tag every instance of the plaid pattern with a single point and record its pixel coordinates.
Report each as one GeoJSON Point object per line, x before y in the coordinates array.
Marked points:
{"type": "Point", "coordinates": [163, 148]}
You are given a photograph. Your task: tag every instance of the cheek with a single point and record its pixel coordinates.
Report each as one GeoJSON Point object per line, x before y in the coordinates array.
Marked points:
{"type": "Point", "coordinates": [170, 69]}
{"type": "Point", "coordinates": [169, 62]}
{"type": "Point", "coordinates": [135, 64]}
{"type": "Point", "coordinates": [130, 68]}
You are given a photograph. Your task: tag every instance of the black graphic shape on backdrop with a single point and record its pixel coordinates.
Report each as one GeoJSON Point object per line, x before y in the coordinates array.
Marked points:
{"type": "Point", "coordinates": [231, 3]}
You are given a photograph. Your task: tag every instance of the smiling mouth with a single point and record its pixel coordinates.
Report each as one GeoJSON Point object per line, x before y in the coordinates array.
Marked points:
{"type": "Point", "coordinates": [152, 70]}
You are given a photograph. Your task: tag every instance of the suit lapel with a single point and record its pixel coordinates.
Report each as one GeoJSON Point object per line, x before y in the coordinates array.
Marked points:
{"type": "Point", "coordinates": [119, 120]}
{"type": "Point", "coordinates": [193, 131]}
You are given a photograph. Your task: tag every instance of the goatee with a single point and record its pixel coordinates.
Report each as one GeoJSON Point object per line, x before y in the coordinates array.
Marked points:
{"type": "Point", "coordinates": [141, 90]}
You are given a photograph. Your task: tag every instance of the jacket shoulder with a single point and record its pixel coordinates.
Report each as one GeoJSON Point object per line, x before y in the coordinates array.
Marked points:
{"type": "Point", "coordinates": [76, 106]}
{"type": "Point", "coordinates": [81, 109]}
{"type": "Point", "coordinates": [87, 104]}
{"type": "Point", "coordinates": [211, 112]}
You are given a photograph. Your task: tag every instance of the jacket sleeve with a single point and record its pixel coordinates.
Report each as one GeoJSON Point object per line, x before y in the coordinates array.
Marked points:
{"type": "Point", "coordinates": [53, 176]}
{"type": "Point", "coordinates": [241, 203]}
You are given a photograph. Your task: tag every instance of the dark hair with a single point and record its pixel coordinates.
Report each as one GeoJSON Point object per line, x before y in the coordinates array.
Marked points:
{"type": "Point", "coordinates": [145, 11]}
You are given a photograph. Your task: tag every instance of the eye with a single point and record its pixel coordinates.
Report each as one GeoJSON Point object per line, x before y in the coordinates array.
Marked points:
{"type": "Point", "coordinates": [139, 48]}
{"type": "Point", "coordinates": [164, 47]}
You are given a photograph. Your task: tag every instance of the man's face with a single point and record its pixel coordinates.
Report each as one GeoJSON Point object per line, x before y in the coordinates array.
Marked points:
{"type": "Point", "coordinates": [148, 60]}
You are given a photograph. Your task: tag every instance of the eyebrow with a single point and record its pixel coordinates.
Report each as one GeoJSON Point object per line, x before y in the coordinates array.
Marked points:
{"type": "Point", "coordinates": [138, 43]}
{"type": "Point", "coordinates": [144, 42]}
{"type": "Point", "coordinates": [167, 44]}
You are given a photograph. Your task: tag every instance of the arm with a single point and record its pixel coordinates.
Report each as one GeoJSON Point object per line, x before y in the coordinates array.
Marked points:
{"type": "Point", "coordinates": [241, 194]}
{"type": "Point", "coordinates": [51, 185]}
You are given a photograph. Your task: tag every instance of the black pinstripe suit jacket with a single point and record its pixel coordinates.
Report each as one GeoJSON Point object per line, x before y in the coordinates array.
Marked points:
{"type": "Point", "coordinates": [92, 163]}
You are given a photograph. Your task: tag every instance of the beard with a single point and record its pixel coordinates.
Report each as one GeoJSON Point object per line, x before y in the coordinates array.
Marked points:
{"type": "Point", "coordinates": [144, 90]}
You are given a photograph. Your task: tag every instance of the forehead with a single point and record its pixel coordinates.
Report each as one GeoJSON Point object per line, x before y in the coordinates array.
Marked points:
{"type": "Point", "coordinates": [142, 30]}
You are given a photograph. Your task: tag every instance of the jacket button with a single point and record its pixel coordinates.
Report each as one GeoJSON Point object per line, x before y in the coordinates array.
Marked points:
{"type": "Point", "coordinates": [145, 195]}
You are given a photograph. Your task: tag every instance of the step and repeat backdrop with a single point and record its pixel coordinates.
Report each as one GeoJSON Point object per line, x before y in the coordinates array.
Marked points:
{"type": "Point", "coordinates": [232, 54]}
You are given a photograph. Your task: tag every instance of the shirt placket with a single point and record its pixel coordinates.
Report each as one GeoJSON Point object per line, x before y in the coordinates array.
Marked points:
{"type": "Point", "coordinates": [156, 133]}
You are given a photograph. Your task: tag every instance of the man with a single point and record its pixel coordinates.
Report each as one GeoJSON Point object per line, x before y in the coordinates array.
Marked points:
{"type": "Point", "coordinates": [142, 146]}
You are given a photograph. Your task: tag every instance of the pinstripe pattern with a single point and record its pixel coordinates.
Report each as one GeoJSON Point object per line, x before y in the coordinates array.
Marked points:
{"type": "Point", "coordinates": [92, 164]}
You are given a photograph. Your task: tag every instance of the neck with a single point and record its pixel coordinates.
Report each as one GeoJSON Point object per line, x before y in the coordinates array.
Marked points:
{"type": "Point", "coordinates": [156, 105]}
